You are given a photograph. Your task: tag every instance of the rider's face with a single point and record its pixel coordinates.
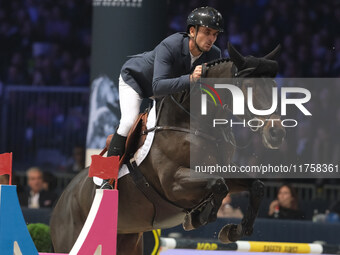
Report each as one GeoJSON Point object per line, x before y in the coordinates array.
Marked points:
{"type": "Point", "coordinates": [206, 37]}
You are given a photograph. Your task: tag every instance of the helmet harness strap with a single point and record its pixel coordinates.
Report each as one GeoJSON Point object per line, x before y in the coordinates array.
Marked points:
{"type": "Point", "coordinates": [198, 47]}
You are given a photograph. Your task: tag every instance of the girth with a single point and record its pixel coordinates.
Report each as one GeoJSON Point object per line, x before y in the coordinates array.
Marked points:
{"type": "Point", "coordinates": [167, 214]}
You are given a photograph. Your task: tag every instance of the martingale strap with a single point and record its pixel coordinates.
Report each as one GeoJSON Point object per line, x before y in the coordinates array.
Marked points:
{"type": "Point", "coordinates": [167, 213]}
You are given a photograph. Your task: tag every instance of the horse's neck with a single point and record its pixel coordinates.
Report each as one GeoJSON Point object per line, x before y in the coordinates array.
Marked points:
{"type": "Point", "coordinates": [221, 73]}
{"type": "Point", "coordinates": [172, 113]}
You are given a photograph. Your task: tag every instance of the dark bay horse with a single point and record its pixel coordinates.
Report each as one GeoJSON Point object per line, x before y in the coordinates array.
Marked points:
{"type": "Point", "coordinates": [192, 202]}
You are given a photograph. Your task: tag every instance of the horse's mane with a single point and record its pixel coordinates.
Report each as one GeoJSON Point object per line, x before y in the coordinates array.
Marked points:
{"type": "Point", "coordinates": [217, 61]}
{"type": "Point", "coordinates": [260, 65]}
{"type": "Point", "coordinates": [213, 63]}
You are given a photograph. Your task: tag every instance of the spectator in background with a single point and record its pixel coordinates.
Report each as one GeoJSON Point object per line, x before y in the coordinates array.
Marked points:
{"type": "Point", "coordinates": [286, 204]}
{"type": "Point", "coordinates": [49, 182]}
{"type": "Point", "coordinates": [31, 29]}
{"type": "Point", "coordinates": [334, 210]}
{"type": "Point", "coordinates": [77, 162]}
{"type": "Point", "coordinates": [34, 196]}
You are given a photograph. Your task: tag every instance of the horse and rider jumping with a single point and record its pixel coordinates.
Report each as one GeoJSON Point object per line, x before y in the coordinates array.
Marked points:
{"type": "Point", "coordinates": [160, 192]}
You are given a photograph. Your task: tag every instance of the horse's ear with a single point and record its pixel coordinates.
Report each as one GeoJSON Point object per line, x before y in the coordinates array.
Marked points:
{"type": "Point", "coordinates": [235, 56]}
{"type": "Point", "coordinates": [274, 54]}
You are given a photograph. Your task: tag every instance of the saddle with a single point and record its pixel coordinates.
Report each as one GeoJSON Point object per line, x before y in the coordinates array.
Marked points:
{"type": "Point", "coordinates": [135, 138]}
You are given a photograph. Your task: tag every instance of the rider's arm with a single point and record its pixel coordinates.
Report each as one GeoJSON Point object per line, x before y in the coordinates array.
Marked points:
{"type": "Point", "coordinates": [163, 81]}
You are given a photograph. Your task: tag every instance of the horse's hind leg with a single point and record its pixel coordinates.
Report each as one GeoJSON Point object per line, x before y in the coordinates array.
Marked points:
{"type": "Point", "coordinates": [232, 232]}
{"type": "Point", "coordinates": [130, 244]}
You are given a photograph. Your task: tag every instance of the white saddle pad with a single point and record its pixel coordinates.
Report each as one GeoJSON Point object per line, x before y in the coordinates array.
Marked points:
{"type": "Point", "coordinates": [143, 151]}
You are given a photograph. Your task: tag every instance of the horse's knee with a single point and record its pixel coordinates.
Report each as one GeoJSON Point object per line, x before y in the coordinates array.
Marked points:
{"type": "Point", "coordinates": [219, 187]}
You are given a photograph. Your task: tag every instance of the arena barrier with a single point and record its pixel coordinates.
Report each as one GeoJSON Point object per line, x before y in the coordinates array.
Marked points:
{"type": "Point", "coordinates": [245, 246]}
{"type": "Point", "coordinates": [98, 236]}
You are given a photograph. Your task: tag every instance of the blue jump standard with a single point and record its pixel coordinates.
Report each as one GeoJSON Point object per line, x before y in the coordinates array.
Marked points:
{"type": "Point", "coordinates": [12, 224]}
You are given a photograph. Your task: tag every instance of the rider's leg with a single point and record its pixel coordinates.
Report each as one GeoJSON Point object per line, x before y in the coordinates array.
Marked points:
{"type": "Point", "coordinates": [130, 102]}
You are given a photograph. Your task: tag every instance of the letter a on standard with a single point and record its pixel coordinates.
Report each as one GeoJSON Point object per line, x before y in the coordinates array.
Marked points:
{"type": "Point", "coordinates": [99, 234]}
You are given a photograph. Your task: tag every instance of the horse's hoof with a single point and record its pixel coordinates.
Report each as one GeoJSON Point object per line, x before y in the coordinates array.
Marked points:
{"type": "Point", "coordinates": [187, 224]}
{"type": "Point", "coordinates": [187, 227]}
{"type": "Point", "coordinates": [195, 220]}
{"type": "Point", "coordinates": [228, 234]}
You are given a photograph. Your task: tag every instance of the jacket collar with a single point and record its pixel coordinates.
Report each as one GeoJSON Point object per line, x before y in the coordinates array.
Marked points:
{"type": "Point", "coordinates": [186, 53]}
{"type": "Point", "coordinates": [185, 47]}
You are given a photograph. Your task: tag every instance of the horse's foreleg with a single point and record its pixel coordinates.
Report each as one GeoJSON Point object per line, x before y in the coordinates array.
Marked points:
{"type": "Point", "coordinates": [130, 244]}
{"type": "Point", "coordinates": [232, 232]}
{"type": "Point", "coordinates": [207, 211]}
{"type": "Point", "coordinates": [255, 198]}
{"type": "Point", "coordinates": [211, 189]}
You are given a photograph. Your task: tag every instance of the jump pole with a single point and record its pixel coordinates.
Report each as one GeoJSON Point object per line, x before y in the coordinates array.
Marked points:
{"type": "Point", "coordinates": [249, 246]}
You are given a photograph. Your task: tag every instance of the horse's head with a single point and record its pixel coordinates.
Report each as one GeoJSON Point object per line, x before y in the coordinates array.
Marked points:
{"type": "Point", "coordinates": [258, 73]}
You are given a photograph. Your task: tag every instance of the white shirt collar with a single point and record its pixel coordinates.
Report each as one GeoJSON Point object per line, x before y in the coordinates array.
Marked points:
{"type": "Point", "coordinates": [193, 59]}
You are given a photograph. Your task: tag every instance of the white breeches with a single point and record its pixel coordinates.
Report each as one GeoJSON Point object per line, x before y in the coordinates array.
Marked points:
{"type": "Point", "coordinates": [129, 101]}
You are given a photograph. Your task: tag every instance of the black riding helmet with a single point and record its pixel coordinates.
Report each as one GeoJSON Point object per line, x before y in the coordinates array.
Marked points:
{"type": "Point", "coordinates": [205, 16]}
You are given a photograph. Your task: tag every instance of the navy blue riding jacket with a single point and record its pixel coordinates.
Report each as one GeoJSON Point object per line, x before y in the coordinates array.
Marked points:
{"type": "Point", "coordinates": [166, 69]}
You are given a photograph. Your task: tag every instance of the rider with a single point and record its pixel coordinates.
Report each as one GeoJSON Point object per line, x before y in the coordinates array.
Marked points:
{"type": "Point", "coordinates": [169, 68]}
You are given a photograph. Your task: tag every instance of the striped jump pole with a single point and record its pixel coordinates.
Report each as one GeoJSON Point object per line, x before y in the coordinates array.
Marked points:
{"type": "Point", "coordinates": [249, 246]}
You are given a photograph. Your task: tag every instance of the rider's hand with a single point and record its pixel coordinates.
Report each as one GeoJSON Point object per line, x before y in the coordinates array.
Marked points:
{"type": "Point", "coordinates": [196, 74]}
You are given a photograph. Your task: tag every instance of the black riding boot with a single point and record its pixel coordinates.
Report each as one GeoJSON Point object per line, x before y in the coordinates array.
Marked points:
{"type": "Point", "coordinates": [116, 148]}
{"type": "Point", "coordinates": [117, 145]}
